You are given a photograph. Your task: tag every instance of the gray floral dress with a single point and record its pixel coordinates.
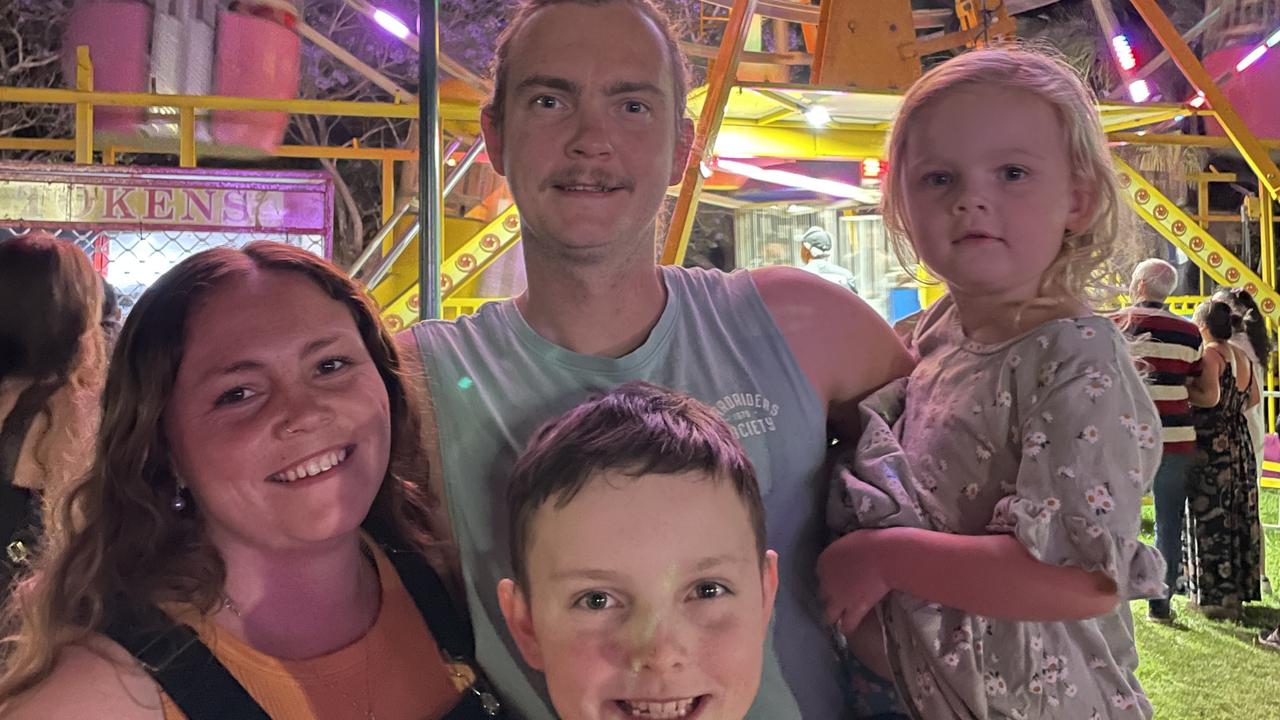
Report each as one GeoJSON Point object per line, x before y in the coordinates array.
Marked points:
{"type": "Point", "coordinates": [1049, 437]}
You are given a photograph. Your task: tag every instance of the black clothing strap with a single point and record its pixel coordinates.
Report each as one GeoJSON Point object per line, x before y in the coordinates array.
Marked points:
{"type": "Point", "coordinates": [183, 667]}
{"type": "Point", "coordinates": [205, 690]}
{"type": "Point", "coordinates": [19, 507]}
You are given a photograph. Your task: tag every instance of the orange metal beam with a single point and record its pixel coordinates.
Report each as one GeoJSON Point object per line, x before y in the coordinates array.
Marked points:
{"type": "Point", "coordinates": [1186, 60]}
{"type": "Point", "coordinates": [719, 84]}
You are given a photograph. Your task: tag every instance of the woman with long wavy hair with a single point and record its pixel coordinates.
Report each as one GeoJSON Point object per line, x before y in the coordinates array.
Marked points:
{"type": "Point", "coordinates": [251, 501]}
{"type": "Point", "coordinates": [51, 371]}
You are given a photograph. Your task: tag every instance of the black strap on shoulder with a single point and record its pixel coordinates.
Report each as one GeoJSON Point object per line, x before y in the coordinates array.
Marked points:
{"type": "Point", "coordinates": [184, 667]}
{"type": "Point", "coordinates": [205, 690]}
{"type": "Point", "coordinates": [16, 424]}
{"type": "Point", "coordinates": [448, 626]}
{"type": "Point", "coordinates": [18, 514]}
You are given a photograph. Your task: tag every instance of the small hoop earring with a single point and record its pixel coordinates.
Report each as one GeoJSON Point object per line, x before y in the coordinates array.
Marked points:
{"type": "Point", "coordinates": [179, 502]}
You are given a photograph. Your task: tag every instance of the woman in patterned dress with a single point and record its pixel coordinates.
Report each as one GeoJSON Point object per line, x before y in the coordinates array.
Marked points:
{"type": "Point", "coordinates": [1223, 535]}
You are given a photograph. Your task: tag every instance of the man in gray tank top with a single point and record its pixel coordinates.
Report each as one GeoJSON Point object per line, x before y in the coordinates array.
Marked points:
{"type": "Point", "coordinates": [587, 125]}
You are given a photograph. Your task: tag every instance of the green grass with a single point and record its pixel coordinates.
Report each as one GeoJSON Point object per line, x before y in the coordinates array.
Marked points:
{"type": "Point", "coordinates": [1199, 669]}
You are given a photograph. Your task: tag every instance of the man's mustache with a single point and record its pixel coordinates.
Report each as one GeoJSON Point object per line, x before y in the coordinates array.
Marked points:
{"type": "Point", "coordinates": [580, 176]}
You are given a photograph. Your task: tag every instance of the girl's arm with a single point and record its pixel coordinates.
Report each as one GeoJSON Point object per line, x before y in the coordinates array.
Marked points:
{"type": "Point", "coordinates": [1203, 390]}
{"type": "Point", "coordinates": [989, 575]}
{"type": "Point", "coordinates": [1062, 542]}
{"type": "Point", "coordinates": [1255, 396]}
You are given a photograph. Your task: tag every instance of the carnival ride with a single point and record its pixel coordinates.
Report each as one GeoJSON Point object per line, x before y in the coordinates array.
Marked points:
{"type": "Point", "coordinates": [134, 92]}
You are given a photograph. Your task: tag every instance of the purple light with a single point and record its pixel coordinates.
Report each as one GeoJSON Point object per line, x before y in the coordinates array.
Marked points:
{"type": "Point", "coordinates": [1251, 58]}
{"type": "Point", "coordinates": [1139, 91]}
{"type": "Point", "coordinates": [1124, 53]}
{"type": "Point", "coordinates": [834, 188]}
{"type": "Point", "coordinates": [391, 24]}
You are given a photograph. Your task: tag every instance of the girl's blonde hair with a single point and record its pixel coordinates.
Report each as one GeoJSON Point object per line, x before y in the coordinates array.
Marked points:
{"type": "Point", "coordinates": [1084, 268]}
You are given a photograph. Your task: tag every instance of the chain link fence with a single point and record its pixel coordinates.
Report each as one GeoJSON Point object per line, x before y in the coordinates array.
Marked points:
{"type": "Point", "coordinates": [132, 260]}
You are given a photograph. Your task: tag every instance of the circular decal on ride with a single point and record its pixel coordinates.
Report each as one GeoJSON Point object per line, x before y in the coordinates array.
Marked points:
{"type": "Point", "coordinates": [1161, 212]}
{"type": "Point", "coordinates": [446, 283]}
{"type": "Point", "coordinates": [1251, 289]}
{"type": "Point", "coordinates": [1179, 228]}
{"type": "Point", "coordinates": [394, 323]}
{"type": "Point", "coordinates": [512, 222]}
{"type": "Point", "coordinates": [1197, 242]}
{"type": "Point", "coordinates": [1142, 196]}
{"type": "Point", "coordinates": [1125, 180]}
{"type": "Point", "coordinates": [1268, 306]}
{"type": "Point", "coordinates": [1215, 259]}
{"type": "Point", "coordinates": [415, 302]}
{"type": "Point", "coordinates": [1233, 275]}
{"type": "Point", "coordinates": [466, 263]}
{"type": "Point", "coordinates": [490, 242]}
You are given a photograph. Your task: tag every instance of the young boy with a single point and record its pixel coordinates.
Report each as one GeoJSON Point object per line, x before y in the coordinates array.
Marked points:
{"type": "Point", "coordinates": [642, 585]}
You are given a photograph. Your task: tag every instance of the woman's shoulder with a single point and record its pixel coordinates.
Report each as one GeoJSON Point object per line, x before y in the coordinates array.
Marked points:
{"type": "Point", "coordinates": [1217, 353]}
{"type": "Point", "coordinates": [93, 678]}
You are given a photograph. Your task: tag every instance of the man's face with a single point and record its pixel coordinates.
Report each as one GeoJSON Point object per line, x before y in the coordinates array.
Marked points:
{"type": "Point", "coordinates": [647, 598]}
{"type": "Point", "coordinates": [588, 141]}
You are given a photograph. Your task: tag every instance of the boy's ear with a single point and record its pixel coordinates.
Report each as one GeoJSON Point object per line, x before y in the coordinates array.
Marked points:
{"type": "Point", "coordinates": [515, 609]}
{"type": "Point", "coordinates": [769, 582]}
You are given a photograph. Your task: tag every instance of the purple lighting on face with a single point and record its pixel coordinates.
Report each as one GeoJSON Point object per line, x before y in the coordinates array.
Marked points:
{"type": "Point", "coordinates": [391, 24]}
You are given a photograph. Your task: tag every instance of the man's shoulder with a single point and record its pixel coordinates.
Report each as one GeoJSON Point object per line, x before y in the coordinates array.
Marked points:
{"type": "Point", "coordinates": [431, 342]}
{"type": "Point", "coordinates": [711, 291]}
{"type": "Point", "coordinates": [486, 319]}
{"type": "Point", "coordinates": [1136, 320]}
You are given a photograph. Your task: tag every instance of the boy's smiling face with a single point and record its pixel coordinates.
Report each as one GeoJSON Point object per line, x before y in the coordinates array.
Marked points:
{"type": "Point", "coordinates": [647, 598]}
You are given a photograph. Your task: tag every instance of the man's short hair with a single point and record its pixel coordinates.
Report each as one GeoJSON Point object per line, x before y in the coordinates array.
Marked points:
{"type": "Point", "coordinates": [1157, 276]}
{"type": "Point", "coordinates": [635, 429]}
{"type": "Point", "coordinates": [496, 104]}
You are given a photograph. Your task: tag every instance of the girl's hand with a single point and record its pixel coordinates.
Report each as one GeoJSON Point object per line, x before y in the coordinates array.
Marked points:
{"type": "Point", "coordinates": [850, 579]}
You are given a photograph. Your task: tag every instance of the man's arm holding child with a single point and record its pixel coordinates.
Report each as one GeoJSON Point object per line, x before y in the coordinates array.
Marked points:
{"type": "Point", "coordinates": [843, 347]}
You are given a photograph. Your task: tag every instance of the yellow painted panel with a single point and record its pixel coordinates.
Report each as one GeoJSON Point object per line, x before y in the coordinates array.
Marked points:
{"type": "Point", "coordinates": [797, 142]}
{"type": "Point", "coordinates": [466, 262]}
{"type": "Point", "coordinates": [1204, 250]}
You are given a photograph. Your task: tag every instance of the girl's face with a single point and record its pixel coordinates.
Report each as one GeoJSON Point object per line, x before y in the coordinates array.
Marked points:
{"type": "Point", "coordinates": [989, 191]}
{"type": "Point", "coordinates": [279, 421]}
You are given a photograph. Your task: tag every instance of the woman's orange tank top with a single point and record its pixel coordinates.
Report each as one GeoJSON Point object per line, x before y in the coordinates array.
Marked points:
{"type": "Point", "coordinates": [394, 672]}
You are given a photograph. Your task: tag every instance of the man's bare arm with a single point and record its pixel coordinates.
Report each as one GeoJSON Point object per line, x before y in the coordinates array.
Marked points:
{"type": "Point", "coordinates": [843, 347]}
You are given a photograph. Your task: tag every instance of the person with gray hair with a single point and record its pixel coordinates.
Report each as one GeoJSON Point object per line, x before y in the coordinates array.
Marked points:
{"type": "Point", "coordinates": [1153, 280]}
{"type": "Point", "coordinates": [1169, 349]}
{"type": "Point", "coordinates": [815, 250]}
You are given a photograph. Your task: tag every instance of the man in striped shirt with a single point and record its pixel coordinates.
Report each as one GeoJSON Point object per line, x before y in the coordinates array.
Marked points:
{"type": "Point", "coordinates": [1168, 348]}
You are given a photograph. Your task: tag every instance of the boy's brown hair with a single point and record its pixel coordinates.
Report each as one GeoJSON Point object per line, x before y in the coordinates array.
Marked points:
{"type": "Point", "coordinates": [635, 429]}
